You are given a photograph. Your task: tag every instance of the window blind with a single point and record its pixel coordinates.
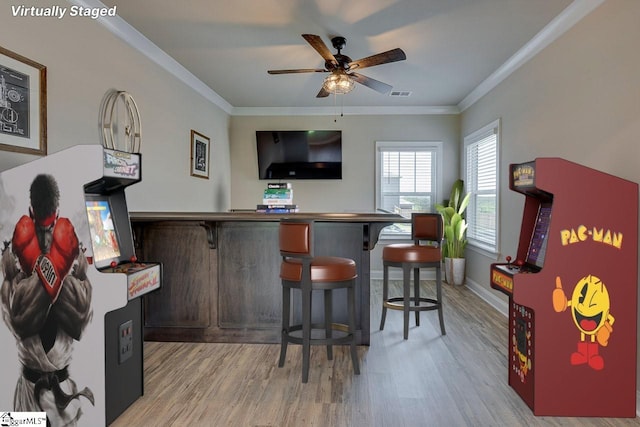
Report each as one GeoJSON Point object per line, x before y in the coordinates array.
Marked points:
{"type": "Point", "coordinates": [481, 182]}
{"type": "Point", "coordinates": [407, 175]}
{"type": "Point", "coordinates": [407, 181]}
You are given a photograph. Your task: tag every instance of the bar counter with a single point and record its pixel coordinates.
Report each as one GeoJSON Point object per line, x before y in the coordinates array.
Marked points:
{"type": "Point", "coordinates": [221, 271]}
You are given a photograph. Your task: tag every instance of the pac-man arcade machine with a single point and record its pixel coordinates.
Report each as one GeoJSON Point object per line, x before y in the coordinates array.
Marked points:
{"type": "Point", "coordinates": [573, 291]}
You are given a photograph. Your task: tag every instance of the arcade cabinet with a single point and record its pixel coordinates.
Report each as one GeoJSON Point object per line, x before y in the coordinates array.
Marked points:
{"type": "Point", "coordinates": [572, 290]}
{"type": "Point", "coordinates": [84, 280]}
{"type": "Point", "coordinates": [114, 252]}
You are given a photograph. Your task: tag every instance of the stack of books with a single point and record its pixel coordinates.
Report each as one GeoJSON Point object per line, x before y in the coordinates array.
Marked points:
{"type": "Point", "coordinates": [277, 198]}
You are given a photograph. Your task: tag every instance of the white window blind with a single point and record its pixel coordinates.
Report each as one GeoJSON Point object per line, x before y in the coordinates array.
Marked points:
{"type": "Point", "coordinates": [481, 180]}
{"type": "Point", "coordinates": [406, 177]}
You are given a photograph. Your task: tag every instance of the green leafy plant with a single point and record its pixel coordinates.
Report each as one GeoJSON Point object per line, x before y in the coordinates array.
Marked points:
{"type": "Point", "coordinates": [455, 226]}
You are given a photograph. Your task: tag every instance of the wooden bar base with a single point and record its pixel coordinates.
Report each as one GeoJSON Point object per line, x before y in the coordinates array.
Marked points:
{"type": "Point", "coordinates": [221, 272]}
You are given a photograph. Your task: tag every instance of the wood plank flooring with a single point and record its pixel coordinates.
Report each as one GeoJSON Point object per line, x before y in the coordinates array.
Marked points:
{"type": "Point", "coordinates": [430, 380]}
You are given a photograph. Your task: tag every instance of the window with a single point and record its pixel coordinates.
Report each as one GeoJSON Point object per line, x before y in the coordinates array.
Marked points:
{"type": "Point", "coordinates": [407, 179]}
{"type": "Point", "coordinates": [481, 180]}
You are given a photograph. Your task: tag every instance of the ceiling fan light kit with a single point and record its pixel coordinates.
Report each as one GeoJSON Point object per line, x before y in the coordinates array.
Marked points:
{"type": "Point", "coordinates": [338, 83]}
{"type": "Point", "coordinates": [342, 77]}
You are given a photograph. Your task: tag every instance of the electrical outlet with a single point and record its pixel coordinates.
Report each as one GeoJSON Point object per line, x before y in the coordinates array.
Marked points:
{"type": "Point", "coordinates": [125, 341]}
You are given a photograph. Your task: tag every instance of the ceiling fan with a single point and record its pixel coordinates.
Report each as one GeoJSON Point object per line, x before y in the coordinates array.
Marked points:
{"type": "Point", "coordinates": [343, 69]}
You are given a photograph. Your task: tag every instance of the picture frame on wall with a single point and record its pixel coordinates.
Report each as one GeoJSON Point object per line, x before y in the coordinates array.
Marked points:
{"type": "Point", "coordinates": [200, 154]}
{"type": "Point", "coordinates": [23, 104]}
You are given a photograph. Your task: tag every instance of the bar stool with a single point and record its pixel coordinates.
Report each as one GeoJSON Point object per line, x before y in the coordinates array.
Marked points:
{"type": "Point", "coordinates": [414, 256]}
{"type": "Point", "coordinates": [301, 270]}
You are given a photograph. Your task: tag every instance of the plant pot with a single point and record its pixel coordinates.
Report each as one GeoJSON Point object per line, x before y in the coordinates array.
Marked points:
{"type": "Point", "coordinates": [454, 270]}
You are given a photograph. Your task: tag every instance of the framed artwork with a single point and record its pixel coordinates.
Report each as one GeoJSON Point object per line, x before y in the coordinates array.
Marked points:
{"type": "Point", "coordinates": [23, 104]}
{"type": "Point", "coordinates": [200, 147]}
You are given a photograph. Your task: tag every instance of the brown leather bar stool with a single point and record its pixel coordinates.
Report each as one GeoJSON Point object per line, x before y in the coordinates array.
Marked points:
{"type": "Point", "coordinates": [301, 270]}
{"type": "Point", "coordinates": [414, 256]}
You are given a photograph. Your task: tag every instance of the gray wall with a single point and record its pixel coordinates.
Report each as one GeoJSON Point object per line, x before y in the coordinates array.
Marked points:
{"type": "Point", "coordinates": [356, 190]}
{"type": "Point", "coordinates": [84, 60]}
{"type": "Point", "coordinates": [578, 99]}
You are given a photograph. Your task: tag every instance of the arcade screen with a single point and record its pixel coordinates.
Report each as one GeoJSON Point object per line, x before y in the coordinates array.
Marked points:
{"type": "Point", "coordinates": [538, 243]}
{"type": "Point", "coordinates": [103, 233]}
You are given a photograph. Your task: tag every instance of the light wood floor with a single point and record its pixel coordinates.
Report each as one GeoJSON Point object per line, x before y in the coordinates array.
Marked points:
{"type": "Point", "coordinates": [430, 380]}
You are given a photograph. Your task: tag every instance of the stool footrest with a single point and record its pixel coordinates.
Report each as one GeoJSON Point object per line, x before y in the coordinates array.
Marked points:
{"type": "Point", "coordinates": [397, 303]}
{"type": "Point", "coordinates": [317, 329]}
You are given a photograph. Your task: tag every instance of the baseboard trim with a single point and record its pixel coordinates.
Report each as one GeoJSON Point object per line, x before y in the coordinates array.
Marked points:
{"type": "Point", "coordinates": [503, 307]}
{"type": "Point", "coordinates": [488, 296]}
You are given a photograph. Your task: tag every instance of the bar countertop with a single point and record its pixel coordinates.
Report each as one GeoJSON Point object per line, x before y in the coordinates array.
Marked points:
{"type": "Point", "coordinates": [257, 216]}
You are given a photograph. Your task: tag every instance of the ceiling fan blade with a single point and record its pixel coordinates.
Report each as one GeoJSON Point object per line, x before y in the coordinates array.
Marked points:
{"type": "Point", "coordinates": [323, 93]}
{"type": "Point", "coordinates": [301, 70]}
{"type": "Point", "coordinates": [317, 43]}
{"type": "Point", "coordinates": [374, 84]}
{"type": "Point", "coordinates": [392, 55]}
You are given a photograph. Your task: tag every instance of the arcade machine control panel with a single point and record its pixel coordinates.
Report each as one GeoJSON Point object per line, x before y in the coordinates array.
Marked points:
{"type": "Point", "coordinates": [114, 253]}
{"type": "Point", "coordinates": [531, 251]}
{"type": "Point", "coordinates": [142, 277]}
{"type": "Point", "coordinates": [572, 310]}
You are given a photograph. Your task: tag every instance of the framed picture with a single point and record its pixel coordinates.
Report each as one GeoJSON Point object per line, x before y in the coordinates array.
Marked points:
{"type": "Point", "coordinates": [23, 104]}
{"type": "Point", "coordinates": [199, 155]}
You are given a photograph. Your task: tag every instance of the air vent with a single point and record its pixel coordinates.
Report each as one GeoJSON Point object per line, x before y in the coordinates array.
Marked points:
{"type": "Point", "coordinates": [402, 93]}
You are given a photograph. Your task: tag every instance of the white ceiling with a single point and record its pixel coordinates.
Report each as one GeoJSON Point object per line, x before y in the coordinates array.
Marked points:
{"type": "Point", "coordinates": [456, 49]}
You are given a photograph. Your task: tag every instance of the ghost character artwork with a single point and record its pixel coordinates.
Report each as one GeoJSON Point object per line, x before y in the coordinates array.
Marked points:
{"type": "Point", "coordinates": [46, 304]}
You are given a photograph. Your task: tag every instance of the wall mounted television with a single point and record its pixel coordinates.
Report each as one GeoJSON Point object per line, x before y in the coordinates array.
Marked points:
{"type": "Point", "coordinates": [299, 154]}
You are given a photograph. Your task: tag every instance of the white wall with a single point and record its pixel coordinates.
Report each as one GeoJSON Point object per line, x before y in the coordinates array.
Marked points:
{"type": "Point", "coordinates": [84, 60]}
{"type": "Point", "coordinates": [578, 99]}
{"type": "Point", "coordinates": [356, 190]}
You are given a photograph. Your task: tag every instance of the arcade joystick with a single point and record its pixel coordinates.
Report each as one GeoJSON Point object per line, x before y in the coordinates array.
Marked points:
{"type": "Point", "coordinates": [516, 265]}
{"type": "Point", "coordinates": [510, 265]}
{"type": "Point", "coordinates": [133, 259]}
{"type": "Point", "coordinates": [113, 265]}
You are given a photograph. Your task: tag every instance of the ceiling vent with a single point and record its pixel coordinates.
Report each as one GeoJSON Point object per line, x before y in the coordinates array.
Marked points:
{"type": "Point", "coordinates": [401, 93]}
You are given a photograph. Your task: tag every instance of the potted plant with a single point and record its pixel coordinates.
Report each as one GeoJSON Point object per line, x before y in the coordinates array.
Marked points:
{"type": "Point", "coordinates": [455, 234]}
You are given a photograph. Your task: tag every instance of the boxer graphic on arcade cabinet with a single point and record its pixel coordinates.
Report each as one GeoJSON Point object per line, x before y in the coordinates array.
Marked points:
{"type": "Point", "coordinates": [46, 304]}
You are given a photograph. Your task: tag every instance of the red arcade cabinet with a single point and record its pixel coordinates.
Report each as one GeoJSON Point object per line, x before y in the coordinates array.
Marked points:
{"type": "Point", "coordinates": [573, 291]}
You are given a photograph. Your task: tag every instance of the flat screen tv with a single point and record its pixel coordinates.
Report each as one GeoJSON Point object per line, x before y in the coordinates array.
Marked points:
{"type": "Point", "coordinates": [297, 154]}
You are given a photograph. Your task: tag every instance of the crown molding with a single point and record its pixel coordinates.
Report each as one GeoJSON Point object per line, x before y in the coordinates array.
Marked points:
{"type": "Point", "coordinates": [347, 111]}
{"type": "Point", "coordinates": [577, 10]}
{"type": "Point", "coordinates": [137, 40]}
{"type": "Point", "coordinates": [570, 16]}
